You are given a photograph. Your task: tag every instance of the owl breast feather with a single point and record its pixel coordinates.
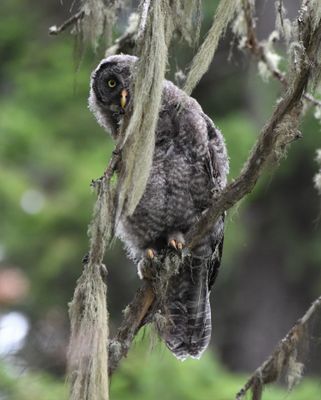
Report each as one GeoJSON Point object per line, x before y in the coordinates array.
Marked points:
{"type": "Point", "coordinates": [180, 184]}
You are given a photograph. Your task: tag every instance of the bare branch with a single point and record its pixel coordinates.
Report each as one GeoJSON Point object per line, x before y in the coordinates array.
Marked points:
{"type": "Point", "coordinates": [55, 30]}
{"type": "Point", "coordinates": [312, 99]}
{"type": "Point", "coordinates": [278, 362]}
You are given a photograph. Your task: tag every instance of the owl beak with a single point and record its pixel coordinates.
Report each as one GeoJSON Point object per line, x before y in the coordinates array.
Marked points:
{"type": "Point", "coordinates": [123, 98]}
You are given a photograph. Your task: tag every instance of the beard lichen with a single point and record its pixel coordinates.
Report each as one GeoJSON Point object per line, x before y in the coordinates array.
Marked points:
{"type": "Point", "coordinates": [158, 21]}
{"type": "Point", "coordinates": [99, 17]}
{"type": "Point", "coordinates": [87, 355]}
{"type": "Point", "coordinates": [203, 58]}
{"type": "Point", "coordinates": [139, 137]}
{"type": "Point", "coordinates": [317, 178]}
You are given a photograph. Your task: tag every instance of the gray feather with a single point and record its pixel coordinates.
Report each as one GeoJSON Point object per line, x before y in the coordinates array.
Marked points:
{"type": "Point", "coordinates": [190, 165]}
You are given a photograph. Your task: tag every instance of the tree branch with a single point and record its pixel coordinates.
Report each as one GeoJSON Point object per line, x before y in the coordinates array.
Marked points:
{"type": "Point", "coordinates": [278, 362]}
{"type": "Point", "coordinates": [258, 49]}
{"type": "Point", "coordinates": [266, 146]}
{"type": "Point", "coordinates": [146, 303]}
{"type": "Point", "coordinates": [134, 316]}
{"type": "Point", "coordinates": [55, 30]}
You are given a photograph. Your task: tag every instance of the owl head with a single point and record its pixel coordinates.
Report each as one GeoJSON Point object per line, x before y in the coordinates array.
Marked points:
{"type": "Point", "coordinates": [110, 88]}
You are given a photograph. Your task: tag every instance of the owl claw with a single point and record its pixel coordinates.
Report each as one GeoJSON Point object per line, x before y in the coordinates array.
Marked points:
{"type": "Point", "coordinates": [150, 253]}
{"type": "Point", "coordinates": [176, 244]}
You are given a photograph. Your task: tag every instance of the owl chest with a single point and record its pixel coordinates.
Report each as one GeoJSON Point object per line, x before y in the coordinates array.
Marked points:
{"type": "Point", "coordinates": [168, 203]}
{"type": "Point", "coordinates": [176, 179]}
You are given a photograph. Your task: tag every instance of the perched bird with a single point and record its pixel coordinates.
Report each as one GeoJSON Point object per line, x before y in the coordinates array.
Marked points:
{"type": "Point", "coordinates": [190, 165]}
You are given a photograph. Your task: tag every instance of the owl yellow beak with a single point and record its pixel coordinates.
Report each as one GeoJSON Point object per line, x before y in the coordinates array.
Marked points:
{"type": "Point", "coordinates": [123, 98]}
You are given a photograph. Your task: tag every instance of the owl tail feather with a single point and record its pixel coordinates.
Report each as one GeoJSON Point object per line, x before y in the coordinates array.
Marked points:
{"type": "Point", "coordinates": [187, 310]}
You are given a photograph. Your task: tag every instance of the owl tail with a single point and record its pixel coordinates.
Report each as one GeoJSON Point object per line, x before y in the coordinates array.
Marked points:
{"type": "Point", "coordinates": [187, 310]}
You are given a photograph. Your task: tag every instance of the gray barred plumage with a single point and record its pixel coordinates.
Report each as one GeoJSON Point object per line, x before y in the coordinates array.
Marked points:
{"type": "Point", "coordinates": [190, 165]}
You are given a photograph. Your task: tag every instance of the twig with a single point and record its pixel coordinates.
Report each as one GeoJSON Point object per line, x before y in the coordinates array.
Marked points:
{"type": "Point", "coordinates": [111, 168]}
{"type": "Point", "coordinates": [280, 11]}
{"type": "Point", "coordinates": [312, 99]}
{"type": "Point", "coordinates": [113, 163]}
{"type": "Point", "coordinates": [271, 369]}
{"type": "Point", "coordinates": [257, 48]}
{"type": "Point", "coordinates": [55, 30]}
{"type": "Point", "coordinates": [126, 43]}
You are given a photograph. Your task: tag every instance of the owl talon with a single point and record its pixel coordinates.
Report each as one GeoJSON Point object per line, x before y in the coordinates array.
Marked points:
{"type": "Point", "coordinates": [180, 246]}
{"type": "Point", "coordinates": [176, 245]}
{"type": "Point", "coordinates": [150, 253]}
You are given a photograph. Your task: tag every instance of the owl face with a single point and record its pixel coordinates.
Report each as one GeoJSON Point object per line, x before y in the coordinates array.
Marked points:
{"type": "Point", "coordinates": [110, 90]}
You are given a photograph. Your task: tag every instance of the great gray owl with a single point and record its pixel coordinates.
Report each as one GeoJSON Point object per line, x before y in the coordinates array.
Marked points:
{"type": "Point", "coordinates": [190, 165]}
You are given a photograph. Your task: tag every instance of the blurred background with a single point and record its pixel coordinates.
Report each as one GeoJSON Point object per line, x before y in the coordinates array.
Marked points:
{"type": "Point", "coordinates": [51, 148]}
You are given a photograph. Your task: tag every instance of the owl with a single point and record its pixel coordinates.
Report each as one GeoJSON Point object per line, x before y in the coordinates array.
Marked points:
{"type": "Point", "coordinates": [190, 165]}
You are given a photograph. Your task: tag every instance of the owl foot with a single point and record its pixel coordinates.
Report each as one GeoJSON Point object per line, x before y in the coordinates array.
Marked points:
{"type": "Point", "coordinates": [176, 241]}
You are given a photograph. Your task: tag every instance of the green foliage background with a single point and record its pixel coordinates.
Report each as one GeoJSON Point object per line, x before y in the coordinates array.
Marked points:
{"type": "Point", "coordinates": [50, 143]}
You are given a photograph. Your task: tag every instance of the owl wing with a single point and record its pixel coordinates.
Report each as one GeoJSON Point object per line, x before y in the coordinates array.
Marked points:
{"type": "Point", "coordinates": [217, 166]}
{"type": "Point", "coordinates": [186, 304]}
{"type": "Point", "coordinates": [217, 160]}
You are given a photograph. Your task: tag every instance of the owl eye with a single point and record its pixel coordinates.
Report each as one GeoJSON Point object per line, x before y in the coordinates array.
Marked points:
{"type": "Point", "coordinates": [111, 83]}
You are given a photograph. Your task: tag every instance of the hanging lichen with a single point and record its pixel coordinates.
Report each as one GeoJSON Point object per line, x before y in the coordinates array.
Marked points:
{"type": "Point", "coordinates": [88, 357]}
{"type": "Point", "coordinates": [271, 61]}
{"type": "Point", "coordinates": [139, 138]}
{"type": "Point", "coordinates": [317, 178]}
{"type": "Point", "coordinates": [158, 21]}
{"type": "Point", "coordinates": [283, 25]}
{"type": "Point", "coordinates": [88, 375]}
{"type": "Point", "coordinates": [187, 18]}
{"type": "Point", "coordinates": [239, 25]}
{"type": "Point", "coordinates": [126, 43]}
{"type": "Point", "coordinates": [98, 19]}
{"type": "Point", "coordinates": [202, 60]}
